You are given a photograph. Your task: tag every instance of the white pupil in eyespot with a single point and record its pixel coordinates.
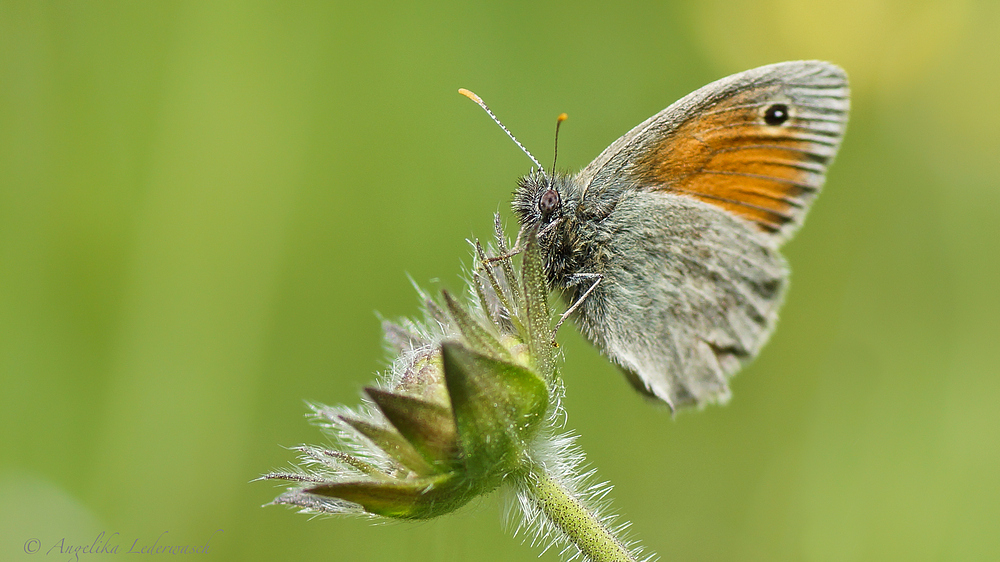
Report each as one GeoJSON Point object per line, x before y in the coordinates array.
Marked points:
{"type": "Point", "coordinates": [777, 114]}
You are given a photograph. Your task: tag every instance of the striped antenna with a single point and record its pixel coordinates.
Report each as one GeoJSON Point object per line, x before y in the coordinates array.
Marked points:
{"type": "Point", "coordinates": [482, 104]}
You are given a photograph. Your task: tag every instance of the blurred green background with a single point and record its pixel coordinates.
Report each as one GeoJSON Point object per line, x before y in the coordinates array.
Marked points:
{"type": "Point", "coordinates": [203, 204]}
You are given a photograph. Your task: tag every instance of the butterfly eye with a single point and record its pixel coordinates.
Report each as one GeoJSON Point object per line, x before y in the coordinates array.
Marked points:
{"type": "Point", "coordinates": [548, 203]}
{"type": "Point", "coordinates": [776, 115]}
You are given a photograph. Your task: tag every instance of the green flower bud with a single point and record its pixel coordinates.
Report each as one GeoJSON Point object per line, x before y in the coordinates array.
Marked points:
{"type": "Point", "coordinates": [469, 405]}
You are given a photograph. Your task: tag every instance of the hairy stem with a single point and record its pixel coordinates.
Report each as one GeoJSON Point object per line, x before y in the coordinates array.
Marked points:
{"type": "Point", "coordinates": [581, 526]}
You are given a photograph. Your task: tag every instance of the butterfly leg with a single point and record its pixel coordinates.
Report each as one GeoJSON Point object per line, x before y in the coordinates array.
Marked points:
{"type": "Point", "coordinates": [504, 253]}
{"type": "Point", "coordinates": [548, 228]}
{"type": "Point", "coordinates": [577, 279]}
{"type": "Point", "coordinates": [519, 243]}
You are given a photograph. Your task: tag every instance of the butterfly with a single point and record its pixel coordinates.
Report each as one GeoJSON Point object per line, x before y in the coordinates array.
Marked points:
{"type": "Point", "coordinates": [666, 246]}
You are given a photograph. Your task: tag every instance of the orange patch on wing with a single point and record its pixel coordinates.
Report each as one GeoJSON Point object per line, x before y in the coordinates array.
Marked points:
{"type": "Point", "coordinates": [727, 156]}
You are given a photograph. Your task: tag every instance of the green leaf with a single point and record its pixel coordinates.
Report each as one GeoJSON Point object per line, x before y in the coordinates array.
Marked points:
{"type": "Point", "coordinates": [473, 331]}
{"type": "Point", "coordinates": [497, 406]}
{"type": "Point", "coordinates": [419, 498]}
{"type": "Point", "coordinates": [505, 263]}
{"type": "Point", "coordinates": [429, 427]}
{"type": "Point", "coordinates": [536, 298]}
{"type": "Point", "coordinates": [393, 444]}
{"type": "Point", "coordinates": [489, 268]}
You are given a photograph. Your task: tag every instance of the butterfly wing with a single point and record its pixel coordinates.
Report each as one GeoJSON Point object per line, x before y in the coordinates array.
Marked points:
{"type": "Point", "coordinates": [703, 193]}
{"type": "Point", "coordinates": [756, 144]}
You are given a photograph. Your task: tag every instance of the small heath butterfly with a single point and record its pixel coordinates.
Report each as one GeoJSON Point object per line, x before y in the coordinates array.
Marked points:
{"type": "Point", "coordinates": [666, 246]}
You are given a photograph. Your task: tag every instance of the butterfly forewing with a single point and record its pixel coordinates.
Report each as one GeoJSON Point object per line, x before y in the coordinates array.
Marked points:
{"type": "Point", "coordinates": [756, 144]}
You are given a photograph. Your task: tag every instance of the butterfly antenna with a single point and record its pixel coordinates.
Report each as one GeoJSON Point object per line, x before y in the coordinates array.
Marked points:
{"type": "Point", "coordinates": [555, 150]}
{"type": "Point", "coordinates": [482, 104]}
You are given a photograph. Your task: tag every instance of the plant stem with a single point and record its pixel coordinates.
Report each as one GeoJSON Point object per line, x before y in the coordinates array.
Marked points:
{"type": "Point", "coordinates": [580, 525]}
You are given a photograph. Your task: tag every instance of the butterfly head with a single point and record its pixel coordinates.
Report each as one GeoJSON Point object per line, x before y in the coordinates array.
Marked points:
{"type": "Point", "coordinates": [538, 200]}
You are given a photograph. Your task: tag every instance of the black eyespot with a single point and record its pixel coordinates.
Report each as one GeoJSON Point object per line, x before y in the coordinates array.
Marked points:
{"type": "Point", "coordinates": [548, 202]}
{"type": "Point", "coordinates": [776, 115]}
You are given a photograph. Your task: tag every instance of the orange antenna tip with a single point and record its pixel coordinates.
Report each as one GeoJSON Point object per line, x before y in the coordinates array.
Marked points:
{"type": "Point", "coordinates": [555, 148]}
{"type": "Point", "coordinates": [471, 95]}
